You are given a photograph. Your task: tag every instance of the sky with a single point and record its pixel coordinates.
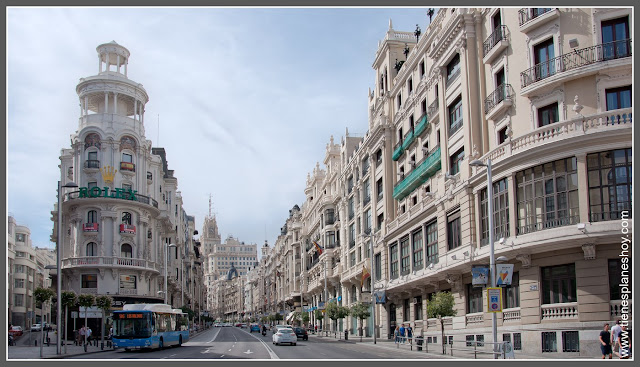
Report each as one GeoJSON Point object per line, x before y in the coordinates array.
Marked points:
{"type": "Point", "coordinates": [244, 100]}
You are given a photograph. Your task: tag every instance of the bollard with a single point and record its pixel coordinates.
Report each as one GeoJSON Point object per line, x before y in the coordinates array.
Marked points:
{"type": "Point", "coordinates": [346, 335]}
{"type": "Point", "coordinates": [36, 342]}
{"type": "Point", "coordinates": [102, 346]}
{"type": "Point", "coordinates": [85, 347]}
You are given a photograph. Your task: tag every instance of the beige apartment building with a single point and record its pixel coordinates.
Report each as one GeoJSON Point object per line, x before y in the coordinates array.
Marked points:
{"type": "Point", "coordinates": [544, 94]}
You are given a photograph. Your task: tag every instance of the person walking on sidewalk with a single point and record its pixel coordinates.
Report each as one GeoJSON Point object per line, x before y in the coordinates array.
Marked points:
{"type": "Point", "coordinates": [396, 334]}
{"type": "Point", "coordinates": [409, 333]}
{"type": "Point", "coordinates": [615, 335]}
{"type": "Point", "coordinates": [605, 341]}
{"type": "Point", "coordinates": [88, 332]}
{"type": "Point", "coordinates": [402, 333]}
{"type": "Point", "coordinates": [83, 334]}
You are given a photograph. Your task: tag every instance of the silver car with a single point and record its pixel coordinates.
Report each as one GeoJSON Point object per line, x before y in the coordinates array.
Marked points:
{"type": "Point", "coordinates": [285, 335]}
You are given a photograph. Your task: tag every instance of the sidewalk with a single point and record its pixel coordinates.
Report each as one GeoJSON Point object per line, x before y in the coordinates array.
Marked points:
{"type": "Point", "coordinates": [25, 350]}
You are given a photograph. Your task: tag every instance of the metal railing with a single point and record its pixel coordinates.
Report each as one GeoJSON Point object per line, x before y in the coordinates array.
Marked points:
{"type": "Point", "coordinates": [499, 34]}
{"type": "Point", "coordinates": [577, 58]}
{"type": "Point", "coordinates": [502, 92]}
{"type": "Point", "coordinates": [92, 163]}
{"type": "Point", "coordinates": [612, 215]}
{"type": "Point", "coordinates": [553, 223]}
{"type": "Point", "coordinates": [432, 111]}
{"type": "Point", "coordinates": [527, 14]}
{"type": "Point", "coordinates": [452, 77]}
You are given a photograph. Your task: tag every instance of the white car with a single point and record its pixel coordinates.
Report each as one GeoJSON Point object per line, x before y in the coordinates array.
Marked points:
{"type": "Point", "coordinates": [284, 335]}
{"type": "Point", "coordinates": [36, 327]}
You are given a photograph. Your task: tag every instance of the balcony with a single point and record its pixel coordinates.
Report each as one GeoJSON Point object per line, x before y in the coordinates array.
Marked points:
{"type": "Point", "coordinates": [110, 262]}
{"type": "Point", "coordinates": [617, 308]}
{"type": "Point", "coordinates": [511, 314]}
{"type": "Point", "coordinates": [532, 18]}
{"type": "Point", "coordinates": [494, 44]}
{"type": "Point", "coordinates": [498, 101]}
{"type": "Point", "coordinates": [410, 137]}
{"type": "Point", "coordinates": [127, 167]}
{"type": "Point", "coordinates": [474, 319]}
{"type": "Point", "coordinates": [551, 223]}
{"type": "Point", "coordinates": [557, 311]}
{"type": "Point", "coordinates": [574, 64]}
{"type": "Point", "coordinates": [423, 171]}
{"type": "Point", "coordinates": [90, 227]}
{"type": "Point", "coordinates": [91, 165]}
{"type": "Point", "coordinates": [127, 229]}
{"type": "Point", "coordinates": [114, 194]}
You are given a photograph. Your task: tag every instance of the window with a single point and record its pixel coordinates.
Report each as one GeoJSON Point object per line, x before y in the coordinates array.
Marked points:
{"type": "Point", "coordinates": [559, 284]}
{"type": "Point", "coordinates": [406, 315]}
{"type": "Point", "coordinates": [92, 249]}
{"type": "Point", "coordinates": [502, 135]}
{"type": "Point", "coordinates": [126, 218]}
{"type": "Point", "coordinates": [547, 115]}
{"type": "Point", "coordinates": [126, 251]}
{"type": "Point", "coordinates": [354, 294]}
{"type": "Point", "coordinates": [92, 216]}
{"type": "Point", "coordinates": [378, 157]}
{"type": "Point", "coordinates": [453, 230]}
{"type": "Point", "coordinates": [417, 249]}
{"type": "Point", "coordinates": [351, 208]}
{"type": "Point", "coordinates": [511, 293]}
{"type": "Point", "coordinates": [423, 106]}
{"type": "Point", "coordinates": [379, 191]}
{"type": "Point", "coordinates": [18, 283]}
{"type": "Point", "coordinates": [411, 123]}
{"type": "Point", "coordinates": [380, 221]}
{"type": "Point", "coordinates": [89, 281]}
{"type": "Point", "coordinates": [422, 69]}
{"type": "Point", "coordinates": [365, 165]}
{"type": "Point", "coordinates": [500, 212]}
{"type": "Point", "coordinates": [615, 38]}
{"type": "Point", "coordinates": [128, 158]}
{"type": "Point", "coordinates": [405, 263]}
{"type": "Point", "coordinates": [453, 68]}
{"type": "Point", "coordinates": [517, 341]}
{"type": "Point", "coordinates": [432, 242]}
{"type": "Point", "coordinates": [618, 98]}
{"type": "Point", "coordinates": [474, 299]}
{"type": "Point", "coordinates": [410, 86]}
{"type": "Point", "coordinates": [20, 237]}
{"type": "Point", "coordinates": [506, 338]}
{"type": "Point", "coordinates": [615, 279]}
{"type": "Point", "coordinates": [367, 221]}
{"type": "Point", "coordinates": [543, 55]}
{"type": "Point", "coordinates": [455, 161]}
{"type": "Point", "coordinates": [377, 262]}
{"type": "Point", "coordinates": [394, 260]}
{"type": "Point", "coordinates": [18, 300]}
{"type": "Point", "coordinates": [547, 196]}
{"type": "Point", "coordinates": [549, 341]}
{"type": "Point", "coordinates": [366, 193]}
{"type": "Point", "coordinates": [352, 258]}
{"type": "Point", "coordinates": [350, 184]}
{"type": "Point", "coordinates": [455, 115]}
{"type": "Point", "coordinates": [570, 341]}
{"type": "Point", "coordinates": [399, 100]}
{"type": "Point", "coordinates": [352, 235]}
{"type": "Point", "coordinates": [470, 340]}
{"type": "Point", "coordinates": [609, 184]}
{"type": "Point", "coordinates": [21, 254]}
{"type": "Point", "coordinates": [417, 309]}
{"type": "Point", "coordinates": [20, 269]}
{"type": "Point", "coordinates": [92, 160]}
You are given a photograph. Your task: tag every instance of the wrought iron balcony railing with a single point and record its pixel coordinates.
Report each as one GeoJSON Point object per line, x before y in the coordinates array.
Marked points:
{"type": "Point", "coordinates": [577, 58]}
{"type": "Point", "coordinates": [527, 14]}
{"type": "Point", "coordinates": [92, 163]}
{"type": "Point", "coordinates": [499, 34]}
{"type": "Point", "coordinates": [502, 92]}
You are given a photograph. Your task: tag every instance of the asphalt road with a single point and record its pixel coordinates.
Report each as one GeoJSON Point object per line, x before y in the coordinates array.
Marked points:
{"type": "Point", "coordinates": [236, 343]}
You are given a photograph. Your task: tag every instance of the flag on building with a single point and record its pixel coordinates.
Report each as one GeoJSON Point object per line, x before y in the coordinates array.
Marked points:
{"type": "Point", "coordinates": [318, 248]}
{"type": "Point", "coordinates": [365, 275]}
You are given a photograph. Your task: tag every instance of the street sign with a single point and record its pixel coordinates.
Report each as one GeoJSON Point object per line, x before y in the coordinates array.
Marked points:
{"type": "Point", "coordinates": [494, 298]}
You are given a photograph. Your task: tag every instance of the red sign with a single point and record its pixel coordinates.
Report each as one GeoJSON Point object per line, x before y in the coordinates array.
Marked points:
{"type": "Point", "coordinates": [90, 227]}
{"type": "Point", "coordinates": [127, 228]}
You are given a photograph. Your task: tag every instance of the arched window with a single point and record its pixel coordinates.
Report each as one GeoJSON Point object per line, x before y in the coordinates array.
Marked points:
{"type": "Point", "coordinates": [354, 294]}
{"type": "Point", "coordinates": [92, 249]}
{"type": "Point", "coordinates": [126, 251]}
{"type": "Point", "coordinates": [92, 216]}
{"type": "Point", "coordinates": [126, 218]}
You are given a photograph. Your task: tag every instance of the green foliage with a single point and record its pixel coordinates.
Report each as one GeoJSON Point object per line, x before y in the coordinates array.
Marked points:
{"type": "Point", "coordinates": [104, 302]}
{"type": "Point", "coordinates": [360, 311]}
{"type": "Point", "coordinates": [319, 315]}
{"type": "Point", "coordinates": [305, 317]}
{"type": "Point", "coordinates": [86, 300]}
{"type": "Point", "coordinates": [69, 298]}
{"type": "Point", "coordinates": [441, 305]}
{"type": "Point", "coordinates": [336, 312]}
{"type": "Point", "coordinates": [43, 295]}
{"type": "Point", "coordinates": [188, 311]}
{"type": "Point", "coordinates": [278, 317]}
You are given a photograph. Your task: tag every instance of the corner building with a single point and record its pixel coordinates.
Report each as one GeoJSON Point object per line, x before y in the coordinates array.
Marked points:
{"type": "Point", "coordinates": [117, 227]}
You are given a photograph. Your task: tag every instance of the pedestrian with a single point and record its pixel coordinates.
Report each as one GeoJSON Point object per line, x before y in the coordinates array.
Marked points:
{"type": "Point", "coordinates": [83, 334]}
{"type": "Point", "coordinates": [409, 333]}
{"type": "Point", "coordinates": [88, 333]}
{"type": "Point", "coordinates": [316, 329]}
{"type": "Point", "coordinates": [615, 335]}
{"type": "Point", "coordinates": [402, 333]}
{"type": "Point", "coordinates": [605, 341]}
{"type": "Point", "coordinates": [396, 334]}
{"type": "Point", "coordinates": [624, 346]}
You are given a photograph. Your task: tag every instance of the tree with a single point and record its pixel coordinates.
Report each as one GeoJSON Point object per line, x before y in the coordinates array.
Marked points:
{"type": "Point", "coordinates": [104, 304]}
{"type": "Point", "coordinates": [336, 312]}
{"type": "Point", "coordinates": [319, 316]}
{"type": "Point", "coordinates": [86, 301]}
{"type": "Point", "coordinates": [69, 299]}
{"type": "Point", "coordinates": [42, 295]}
{"type": "Point", "coordinates": [278, 316]}
{"type": "Point", "coordinates": [361, 312]}
{"type": "Point", "coordinates": [305, 317]}
{"type": "Point", "coordinates": [297, 316]}
{"type": "Point", "coordinates": [440, 306]}
{"type": "Point", "coordinates": [188, 311]}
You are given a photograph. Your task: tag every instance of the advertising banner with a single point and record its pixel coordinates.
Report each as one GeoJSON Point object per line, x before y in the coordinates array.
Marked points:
{"type": "Point", "coordinates": [504, 273]}
{"type": "Point", "coordinates": [380, 296]}
{"type": "Point", "coordinates": [479, 276]}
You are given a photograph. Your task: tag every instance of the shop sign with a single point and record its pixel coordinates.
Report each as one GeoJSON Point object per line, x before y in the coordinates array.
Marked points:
{"type": "Point", "coordinates": [105, 192]}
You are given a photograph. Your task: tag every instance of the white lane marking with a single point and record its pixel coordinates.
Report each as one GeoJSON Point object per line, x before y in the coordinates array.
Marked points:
{"type": "Point", "coordinates": [229, 350]}
{"type": "Point", "coordinates": [272, 354]}
{"type": "Point", "coordinates": [222, 356]}
{"type": "Point", "coordinates": [248, 351]}
{"type": "Point", "coordinates": [173, 355]}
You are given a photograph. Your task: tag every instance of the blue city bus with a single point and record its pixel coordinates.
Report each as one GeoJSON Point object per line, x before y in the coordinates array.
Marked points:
{"type": "Point", "coordinates": [152, 326]}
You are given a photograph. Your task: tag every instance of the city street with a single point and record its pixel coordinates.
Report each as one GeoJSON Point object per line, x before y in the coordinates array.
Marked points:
{"type": "Point", "coordinates": [235, 343]}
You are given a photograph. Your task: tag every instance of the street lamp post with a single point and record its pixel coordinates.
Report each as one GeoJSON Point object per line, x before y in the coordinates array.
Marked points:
{"type": "Point", "coordinates": [373, 282]}
{"type": "Point", "coordinates": [59, 263]}
{"type": "Point", "coordinates": [325, 295]}
{"type": "Point", "coordinates": [492, 260]}
{"type": "Point", "coordinates": [166, 258]}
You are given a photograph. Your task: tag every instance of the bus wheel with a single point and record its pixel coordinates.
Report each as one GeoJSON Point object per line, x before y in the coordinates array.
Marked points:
{"type": "Point", "coordinates": [180, 341]}
{"type": "Point", "coordinates": [160, 344]}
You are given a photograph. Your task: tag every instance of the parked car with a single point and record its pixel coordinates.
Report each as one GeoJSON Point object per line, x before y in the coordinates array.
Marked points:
{"type": "Point", "coordinates": [254, 327]}
{"type": "Point", "coordinates": [15, 331]}
{"type": "Point", "coordinates": [301, 333]}
{"type": "Point", "coordinates": [217, 324]}
{"type": "Point", "coordinates": [36, 327]}
{"type": "Point", "coordinates": [284, 335]}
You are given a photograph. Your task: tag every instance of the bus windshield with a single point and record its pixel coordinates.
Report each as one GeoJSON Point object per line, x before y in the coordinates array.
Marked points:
{"type": "Point", "coordinates": [131, 325]}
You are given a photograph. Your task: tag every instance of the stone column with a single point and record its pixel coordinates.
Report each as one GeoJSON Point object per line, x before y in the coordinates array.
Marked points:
{"type": "Point", "coordinates": [583, 187]}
